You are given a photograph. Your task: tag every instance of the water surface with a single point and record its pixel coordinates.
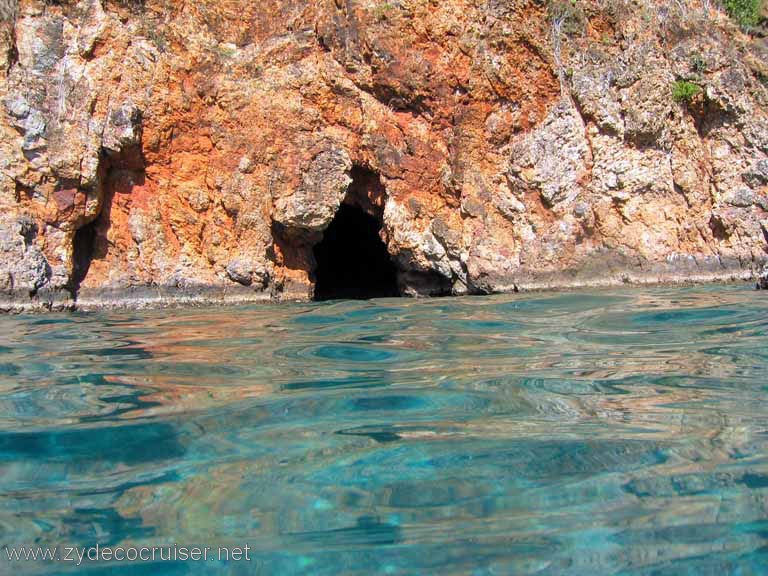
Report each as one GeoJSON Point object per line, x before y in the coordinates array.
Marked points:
{"type": "Point", "coordinates": [606, 432]}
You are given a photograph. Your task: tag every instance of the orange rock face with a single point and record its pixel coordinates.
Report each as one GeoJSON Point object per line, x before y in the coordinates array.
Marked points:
{"type": "Point", "coordinates": [198, 150]}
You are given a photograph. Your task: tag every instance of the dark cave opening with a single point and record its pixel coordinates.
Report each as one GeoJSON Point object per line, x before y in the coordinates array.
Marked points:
{"type": "Point", "coordinates": [120, 172]}
{"type": "Point", "coordinates": [352, 259]}
{"type": "Point", "coordinates": [83, 251]}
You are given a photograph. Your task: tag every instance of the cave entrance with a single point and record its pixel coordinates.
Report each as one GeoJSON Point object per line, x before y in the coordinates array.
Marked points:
{"type": "Point", "coordinates": [352, 259]}
{"type": "Point", "coordinates": [83, 251]}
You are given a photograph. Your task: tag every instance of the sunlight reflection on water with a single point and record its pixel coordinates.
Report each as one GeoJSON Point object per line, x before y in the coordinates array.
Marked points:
{"type": "Point", "coordinates": [596, 432]}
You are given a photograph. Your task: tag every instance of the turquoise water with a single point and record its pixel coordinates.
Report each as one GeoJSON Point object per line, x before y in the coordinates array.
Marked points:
{"type": "Point", "coordinates": [607, 432]}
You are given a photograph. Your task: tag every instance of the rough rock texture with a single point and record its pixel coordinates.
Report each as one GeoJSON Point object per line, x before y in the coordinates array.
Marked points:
{"type": "Point", "coordinates": [197, 150]}
{"type": "Point", "coordinates": [762, 280]}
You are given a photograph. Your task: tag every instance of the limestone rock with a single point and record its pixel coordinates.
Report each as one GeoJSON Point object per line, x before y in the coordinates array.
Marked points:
{"type": "Point", "coordinates": [22, 265]}
{"type": "Point", "coordinates": [40, 42]}
{"type": "Point", "coordinates": [757, 176]}
{"type": "Point", "coordinates": [324, 183]}
{"type": "Point", "coordinates": [553, 158]}
{"type": "Point", "coordinates": [592, 87]}
{"type": "Point", "coordinates": [647, 104]}
{"type": "Point", "coordinates": [245, 271]}
{"type": "Point", "coordinates": [419, 250]}
{"type": "Point", "coordinates": [93, 28]}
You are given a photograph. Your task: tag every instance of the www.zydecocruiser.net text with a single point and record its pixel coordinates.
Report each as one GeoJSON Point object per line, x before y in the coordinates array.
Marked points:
{"type": "Point", "coordinates": [78, 555]}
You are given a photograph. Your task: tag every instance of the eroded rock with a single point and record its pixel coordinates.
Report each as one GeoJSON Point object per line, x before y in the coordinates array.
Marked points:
{"type": "Point", "coordinates": [553, 159]}
{"type": "Point", "coordinates": [324, 184]}
{"type": "Point", "coordinates": [123, 128]}
{"type": "Point", "coordinates": [209, 147]}
{"type": "Point", "coordinates": [762, 280]}
{"type": "Point", "coordinates": [23, 267]}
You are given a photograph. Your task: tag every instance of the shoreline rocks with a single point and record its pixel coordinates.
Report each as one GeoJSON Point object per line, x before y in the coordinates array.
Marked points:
{"type": "Point", "coordinates": [158, 144]}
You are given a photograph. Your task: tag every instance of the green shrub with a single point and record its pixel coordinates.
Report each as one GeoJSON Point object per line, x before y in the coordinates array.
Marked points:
{"type": "Point", "coordinates": [684, 91]}
{"type": "Point", "coordinates": [745, 12]}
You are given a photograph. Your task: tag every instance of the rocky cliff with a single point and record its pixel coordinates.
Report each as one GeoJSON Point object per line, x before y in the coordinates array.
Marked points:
{"type": "Point", "coordinates": [199, 150]}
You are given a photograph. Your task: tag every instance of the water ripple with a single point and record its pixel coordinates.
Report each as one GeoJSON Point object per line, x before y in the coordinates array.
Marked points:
{"type": "Point", "coordinates": [606, 432]}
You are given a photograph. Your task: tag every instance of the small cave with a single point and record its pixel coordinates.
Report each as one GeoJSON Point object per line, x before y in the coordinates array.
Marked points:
{"type": "Point", "coordinates": [349, 259]}
{"type": "Point", "coordinates": [352, 259]}
{"type": "Point", "coordinates": [83, 251]}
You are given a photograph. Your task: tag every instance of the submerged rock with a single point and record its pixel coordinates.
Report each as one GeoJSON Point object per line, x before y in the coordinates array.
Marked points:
{"type": "Point", "coordinates": [762, 280]}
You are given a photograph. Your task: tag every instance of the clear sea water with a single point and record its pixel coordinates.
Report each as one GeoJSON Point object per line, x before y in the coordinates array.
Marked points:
{"type": "Point", "coordinates": [606, 432]}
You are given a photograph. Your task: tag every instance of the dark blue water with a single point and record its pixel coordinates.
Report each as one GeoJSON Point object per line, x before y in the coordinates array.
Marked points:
{"type": "Point", "coordinates": [613, 432]}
